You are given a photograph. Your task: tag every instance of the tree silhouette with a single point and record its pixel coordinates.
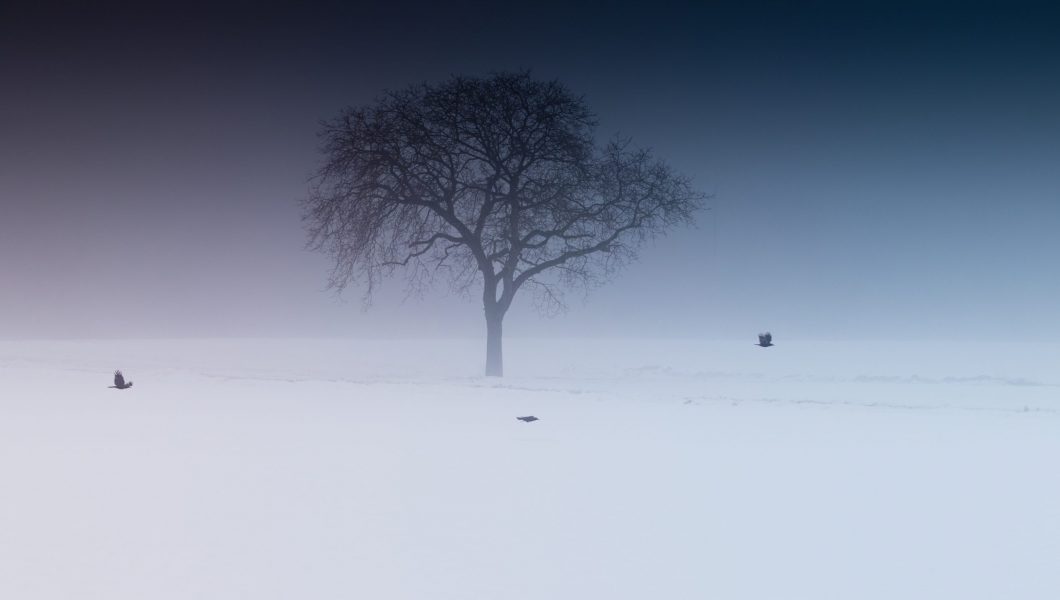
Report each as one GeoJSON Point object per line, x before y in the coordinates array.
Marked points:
{"type": "Point", "coordinates": [494, 181]}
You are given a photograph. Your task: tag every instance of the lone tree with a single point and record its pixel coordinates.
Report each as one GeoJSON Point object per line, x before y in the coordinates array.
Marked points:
{"type": "Point", "coordinates": [497, 181]}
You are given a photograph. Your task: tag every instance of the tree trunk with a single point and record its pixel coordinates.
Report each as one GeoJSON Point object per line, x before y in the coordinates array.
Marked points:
{"type": "Point", "coordinates": [494, 356]}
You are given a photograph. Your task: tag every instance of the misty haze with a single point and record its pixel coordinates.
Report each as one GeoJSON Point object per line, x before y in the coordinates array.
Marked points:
{"type": "Point", "coordinates": [718, 300]}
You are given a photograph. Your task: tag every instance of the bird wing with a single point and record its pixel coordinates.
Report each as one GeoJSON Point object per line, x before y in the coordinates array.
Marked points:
{"type": "Point", "coordinates": [119, 380]}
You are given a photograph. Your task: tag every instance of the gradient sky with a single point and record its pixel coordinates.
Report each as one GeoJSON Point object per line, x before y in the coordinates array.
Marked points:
{"type": "Point", "coordinates": [879, 169]}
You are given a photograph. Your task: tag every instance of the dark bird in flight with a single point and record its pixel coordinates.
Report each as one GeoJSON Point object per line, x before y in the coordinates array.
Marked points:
{"type": "Point", "coordinates": [528, 419]}
{"type": "Point", "coordinates": [119, 381]}
{"type": "Point", "coordinates": [765, 340]}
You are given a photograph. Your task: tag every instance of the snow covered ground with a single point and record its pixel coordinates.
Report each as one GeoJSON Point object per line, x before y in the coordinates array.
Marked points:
{"type": "Point", "coordinates": [280, 469]}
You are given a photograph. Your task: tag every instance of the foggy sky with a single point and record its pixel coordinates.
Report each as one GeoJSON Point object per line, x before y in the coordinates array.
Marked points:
{"type": "Point", "coordinates": [879, 169]}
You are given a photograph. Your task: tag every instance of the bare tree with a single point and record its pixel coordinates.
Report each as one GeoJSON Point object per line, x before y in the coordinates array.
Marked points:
{"type": "Point", "coordinates": [494, 181]}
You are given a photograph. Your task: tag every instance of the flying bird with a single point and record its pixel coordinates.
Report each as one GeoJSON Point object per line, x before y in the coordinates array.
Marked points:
{"type": "Point", "coordinates": [528, 419]}
{"type": "Point", "coordinates": [119, 381]}
{"type": "Point", "coordinates": [765, 340]}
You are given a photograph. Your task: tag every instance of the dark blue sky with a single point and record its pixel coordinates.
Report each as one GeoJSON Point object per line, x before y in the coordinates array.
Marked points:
{"type": "Point", "coordinates": [879, 169]}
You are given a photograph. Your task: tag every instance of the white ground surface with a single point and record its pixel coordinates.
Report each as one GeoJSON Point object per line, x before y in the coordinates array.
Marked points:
{"type": "Point", "coordinates": [303, 469]}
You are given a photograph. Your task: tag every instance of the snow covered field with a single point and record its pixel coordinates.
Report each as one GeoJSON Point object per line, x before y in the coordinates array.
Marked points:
{"type": "Point", "coordinates": [282, 469]}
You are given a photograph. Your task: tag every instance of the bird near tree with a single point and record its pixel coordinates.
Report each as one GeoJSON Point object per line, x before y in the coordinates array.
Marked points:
{"type": "Point", "coordinates": [494, 184]}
